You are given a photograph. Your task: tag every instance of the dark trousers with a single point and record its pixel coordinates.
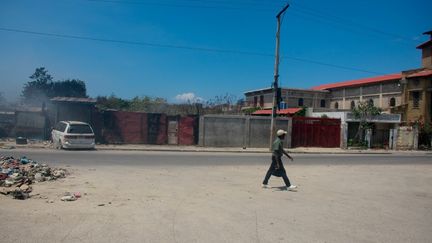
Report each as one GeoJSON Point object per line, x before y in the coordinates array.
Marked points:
{"type": "Point", "coordinates": [281, 171]}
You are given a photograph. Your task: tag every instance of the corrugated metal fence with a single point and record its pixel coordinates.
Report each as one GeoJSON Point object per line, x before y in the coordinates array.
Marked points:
{"type": "Point", "coordinates": [145, 128]}
{"type": "Point", "coordinates": [316, 132]}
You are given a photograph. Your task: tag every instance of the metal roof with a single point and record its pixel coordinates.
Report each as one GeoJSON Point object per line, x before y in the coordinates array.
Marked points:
{"type": "Point", "coordinates": [75, 122]}
{"type": "Point", "coordinates": [293, 89]}
{"type": "Point", "coordinates": [289, 111]}
{"type": "Point", "coordinates": [359, 82]}
{"type": "Point", "coordinates": [429, 42]}
{"type": "Point", "coordinates": [423, 73]}
{"type": "Point", "coordinates": [73, 99]}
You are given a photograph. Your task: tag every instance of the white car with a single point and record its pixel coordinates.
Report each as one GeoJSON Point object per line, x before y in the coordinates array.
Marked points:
{"type": "Point", "coordinates": [73, 134]}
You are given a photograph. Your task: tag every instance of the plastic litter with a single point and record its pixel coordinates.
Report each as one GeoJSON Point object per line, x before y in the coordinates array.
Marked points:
{"type": "Point", "coordinates": [16, 175]}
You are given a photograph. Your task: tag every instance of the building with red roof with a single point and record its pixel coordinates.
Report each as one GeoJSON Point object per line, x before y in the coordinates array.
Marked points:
{"type": "Point", "coordinates": [407, 93]}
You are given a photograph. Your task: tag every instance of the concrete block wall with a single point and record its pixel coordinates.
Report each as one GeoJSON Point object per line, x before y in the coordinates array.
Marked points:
{"type": "Point", "coordinates": [240, 131]}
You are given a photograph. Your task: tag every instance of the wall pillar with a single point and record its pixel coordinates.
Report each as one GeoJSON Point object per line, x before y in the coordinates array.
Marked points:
{"type": "Point", "coordinates": [343, 99]}
{"type": "Point", "coordinates": [201, 136]}
{"type": "Point", "coordinates": [368, 137]}
{"type": "Point", "coordinates": [415, 137]}
{"type": "Point", "coordinates": [289, 132]}
{"type": "Point", "coordinates": [344, 135]}
{"type": "Point", "coordinates": [381, 97]}
{"type": "Point", "coordinates": [246, 137]}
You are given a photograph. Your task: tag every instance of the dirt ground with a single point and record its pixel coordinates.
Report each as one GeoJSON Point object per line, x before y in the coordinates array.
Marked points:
{"type": "Point", "coordinates": [358, 203]}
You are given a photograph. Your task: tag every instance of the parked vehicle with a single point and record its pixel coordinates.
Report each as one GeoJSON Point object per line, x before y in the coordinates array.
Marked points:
{"type": "Point", "coordinates": [73, 134]}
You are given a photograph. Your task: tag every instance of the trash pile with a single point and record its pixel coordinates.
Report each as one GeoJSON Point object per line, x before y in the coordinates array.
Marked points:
{"type": "Point", "coordinates": [16, 175]}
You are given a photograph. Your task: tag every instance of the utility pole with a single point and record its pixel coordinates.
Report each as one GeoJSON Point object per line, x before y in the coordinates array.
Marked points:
{"type": "Point", "coordinates": [276, 76]}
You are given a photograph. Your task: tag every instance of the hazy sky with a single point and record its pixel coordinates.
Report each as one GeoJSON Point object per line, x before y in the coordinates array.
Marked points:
{"type": "Point", "coordinates": [180, 49]}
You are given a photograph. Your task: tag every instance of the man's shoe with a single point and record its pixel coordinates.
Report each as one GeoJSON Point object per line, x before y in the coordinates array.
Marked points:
{"type": "Point", "coordinates": [292, 187]}
{"type": "Point", "coordinates": [265, 186]}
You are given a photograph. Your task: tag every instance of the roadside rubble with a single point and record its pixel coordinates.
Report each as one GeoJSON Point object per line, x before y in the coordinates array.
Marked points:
{"type": "Point", "coordinates": [71, 196]}
{"type": "Point", "coordinates": [17, 176]}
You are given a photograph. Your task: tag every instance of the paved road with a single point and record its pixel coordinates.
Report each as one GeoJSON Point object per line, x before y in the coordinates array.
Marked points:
{"type": "Point", "coordinates": [133, 158]}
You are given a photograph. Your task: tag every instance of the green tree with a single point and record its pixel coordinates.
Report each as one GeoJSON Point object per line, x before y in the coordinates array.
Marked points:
{"type": "Point", "coordinates": [41, 87]}
{"type": "Point", "coordinates": [364, 112]}
{"type": "Point", "coordinates": [426, 134]}
{"type": "Point", "coordinates": [38, 89]}
{"type": "Point", "coordinates": [148, 104]}
{"type": "Point", "coordinates": [69, 88]}
{"type": "Point", "coordinates": [112, 102]}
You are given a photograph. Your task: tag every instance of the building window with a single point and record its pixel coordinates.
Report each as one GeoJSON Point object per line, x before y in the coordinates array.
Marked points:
{"type": "Point", "coordinates": [370, 102]}
{"type": "Point", "coordinates": [261, 101]}
{"type": "Point", "coordinates": [352, 104]}
{"type": "Point", "coordinates": [322, 103]}
{"type": "Point", "coordinates": [336, 105]}
{"type": "Point", "coordinates": [255, 101]}
{"type": "Point", "coordinates": [300, 102]}
{"type": "Point", "coordinates": [392, 102]}
{"type": "Point", "coordinates": [416, 99]}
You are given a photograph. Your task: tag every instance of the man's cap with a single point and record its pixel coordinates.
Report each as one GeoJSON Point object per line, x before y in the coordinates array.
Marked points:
{"type": "Point", "coordinates": [281, 132]}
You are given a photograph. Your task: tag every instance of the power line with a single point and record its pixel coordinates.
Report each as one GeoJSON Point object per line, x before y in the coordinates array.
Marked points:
{"type": "Point", "coordinates": [193, 48]}
{"type": "Point", "coordinates": [302, 11]}
{"type": "Point", "coordinates": [136, 42]}
{"type": "Point", "coordinates": [167, 4]}
{"type": "Point", "coordinates": [344, 21]}
{"type": "Point", "coordinates": [332, 65]}
{"type": "Point", "coordinates": [240, 6]}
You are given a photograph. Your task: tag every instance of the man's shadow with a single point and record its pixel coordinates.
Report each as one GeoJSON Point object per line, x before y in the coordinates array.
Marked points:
{"type": "Point", "coordinates": [282, 188]}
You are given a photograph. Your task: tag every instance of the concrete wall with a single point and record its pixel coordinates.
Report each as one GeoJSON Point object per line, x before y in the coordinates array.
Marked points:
{"type": "Point", "coordinates": [31, 125]}
{"type": "Point", "coordinates": [240, 131]}
{"type": "Point", "coordinates": [407, 138]}
{"type": "Point", "coordinates": [7, 123]}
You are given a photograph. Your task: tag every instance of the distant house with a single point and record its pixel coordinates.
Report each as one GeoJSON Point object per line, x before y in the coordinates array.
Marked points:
{"type": "Point", "coordinates": [384, 92]}
{"type": "Point", "coordinates": [291, 98]}
{"type": "Point", "coordinates": [417, 87]}
{"type": "Point", "coordinates": [72, 109]}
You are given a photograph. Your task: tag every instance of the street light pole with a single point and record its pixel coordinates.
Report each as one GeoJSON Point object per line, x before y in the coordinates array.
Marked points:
{"type": "Point", "coordinates": [276, 76]}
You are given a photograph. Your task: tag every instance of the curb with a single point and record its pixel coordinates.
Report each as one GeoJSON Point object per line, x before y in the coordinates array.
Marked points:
{"type": "Point", "coordinates": [221, 151]}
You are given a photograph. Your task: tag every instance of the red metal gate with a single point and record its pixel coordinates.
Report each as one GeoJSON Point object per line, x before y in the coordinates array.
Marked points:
{"type": "Point", "coordinates": [315, 132]}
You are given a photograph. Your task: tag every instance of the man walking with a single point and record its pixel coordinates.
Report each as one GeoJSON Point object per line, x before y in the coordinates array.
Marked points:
{"type": "Point", "coordinates": [276, 167]}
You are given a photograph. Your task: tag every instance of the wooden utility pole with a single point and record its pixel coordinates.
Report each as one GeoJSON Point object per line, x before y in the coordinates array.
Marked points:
{"type": "Point", "coordinates": [276, 77]}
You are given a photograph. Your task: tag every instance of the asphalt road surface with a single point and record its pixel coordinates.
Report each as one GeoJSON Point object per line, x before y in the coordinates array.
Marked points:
{"type": "Point", "coordinates": [145, 158]}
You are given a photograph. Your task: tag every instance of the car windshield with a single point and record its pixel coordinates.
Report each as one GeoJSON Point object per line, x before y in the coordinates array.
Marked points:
{"type": "Point", "coordinates": [80, 129]}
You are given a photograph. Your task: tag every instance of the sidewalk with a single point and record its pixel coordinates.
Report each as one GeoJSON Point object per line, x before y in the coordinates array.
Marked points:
{"type": "Point", "coordinates": [10, 144]}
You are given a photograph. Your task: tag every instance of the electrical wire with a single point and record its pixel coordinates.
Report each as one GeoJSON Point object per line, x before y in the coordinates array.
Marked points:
{"type": "Point", "coordinates": [167, 4]}
{"type": "Point", "coordinates": [203, 49]}
{"type": "Point", "coordinates": [344, 21]}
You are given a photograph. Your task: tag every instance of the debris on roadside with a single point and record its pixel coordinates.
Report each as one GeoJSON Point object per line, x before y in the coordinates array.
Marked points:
{"type": "Point", "coordinates": [68, 197]}
{"type": "Point", "coordinates": [17, 175]}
